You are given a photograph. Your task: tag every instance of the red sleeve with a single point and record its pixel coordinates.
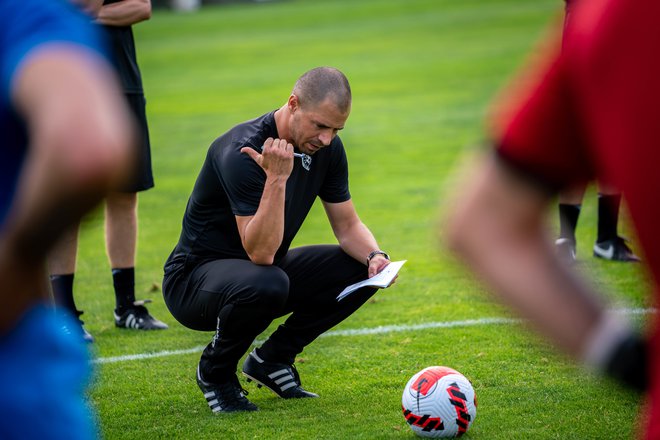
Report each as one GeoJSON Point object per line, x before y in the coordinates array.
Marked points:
{"type": "Point", "coordinates": [539, 129]}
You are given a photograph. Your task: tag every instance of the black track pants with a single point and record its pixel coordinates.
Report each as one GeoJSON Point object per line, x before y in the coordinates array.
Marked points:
{"type": "Point", "coordinates": [239, 300]}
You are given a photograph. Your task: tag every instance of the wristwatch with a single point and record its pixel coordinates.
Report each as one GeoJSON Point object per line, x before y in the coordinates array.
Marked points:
{"type": "Point", "coordinates": [376, 252]}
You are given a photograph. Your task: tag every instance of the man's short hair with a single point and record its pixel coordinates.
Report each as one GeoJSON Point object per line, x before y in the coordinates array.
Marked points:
{"type": "Point", "coordinates": [321, 83]}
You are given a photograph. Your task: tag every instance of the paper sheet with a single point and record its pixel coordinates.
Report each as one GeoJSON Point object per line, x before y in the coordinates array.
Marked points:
{"type": "Point", "coordinates": [382, 280]}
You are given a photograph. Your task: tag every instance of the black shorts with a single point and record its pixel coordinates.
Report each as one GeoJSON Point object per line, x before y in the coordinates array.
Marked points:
{"type": "Point", "coordinates": [142, 177]}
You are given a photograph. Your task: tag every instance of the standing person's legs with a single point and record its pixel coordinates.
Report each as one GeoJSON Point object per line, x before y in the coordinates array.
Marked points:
{"type": "Point", "coordinates": [121, 229]}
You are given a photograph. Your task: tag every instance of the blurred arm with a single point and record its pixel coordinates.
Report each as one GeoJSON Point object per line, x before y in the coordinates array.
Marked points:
{"type": "Point", "coordinates": [353, 236]}
{"type": "Point", "coordinates": [80, 139]}
{"type": "Point", "coordinates": [125, 13]}
{"type": "Point", "coordinates": [498, 230]}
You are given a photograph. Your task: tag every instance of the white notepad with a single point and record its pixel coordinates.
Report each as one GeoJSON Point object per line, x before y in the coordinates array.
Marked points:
{"type": "Point", "coordinates": [381, 280]}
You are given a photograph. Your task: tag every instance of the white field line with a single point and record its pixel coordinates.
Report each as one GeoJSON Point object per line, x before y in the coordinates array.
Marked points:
{"type": "Point", "coordinates": [356, 332]}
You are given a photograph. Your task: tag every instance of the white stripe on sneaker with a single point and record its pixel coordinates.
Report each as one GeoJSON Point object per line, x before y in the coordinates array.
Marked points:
{"type": "Point", "coordinates": [287, 386]}
{"type": "Point", "coordinates": [278, 373]}
{"type": "Point", "coordinates": [283, 379]}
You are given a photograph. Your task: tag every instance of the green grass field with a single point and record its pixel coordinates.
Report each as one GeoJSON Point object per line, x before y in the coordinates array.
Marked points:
{"type": "Point", "coordinates": [423, 74]}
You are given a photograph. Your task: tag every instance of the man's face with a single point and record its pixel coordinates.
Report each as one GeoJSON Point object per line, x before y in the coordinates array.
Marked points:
{"type": "Point", "coordinates": [314, 127]}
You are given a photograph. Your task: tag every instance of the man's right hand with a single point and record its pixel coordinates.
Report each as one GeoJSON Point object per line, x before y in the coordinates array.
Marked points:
{"type": "Point", "coordinates": [276, 157]}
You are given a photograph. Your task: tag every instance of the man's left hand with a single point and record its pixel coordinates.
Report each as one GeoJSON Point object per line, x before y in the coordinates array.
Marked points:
{"type": "Point", "coordinates": [378, 263]}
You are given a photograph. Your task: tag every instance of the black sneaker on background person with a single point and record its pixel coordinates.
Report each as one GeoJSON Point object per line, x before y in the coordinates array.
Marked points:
{"type": "Point", "coordinates": [565, 248]}
{"type": "Point", "coordinates": [226, 397]}
{"type": "Point", "coordinates": [282, 379]}
{"type": "Point", "coordinates": [137, 317]}
{"type": "Point", "coordinates": [615, 249]}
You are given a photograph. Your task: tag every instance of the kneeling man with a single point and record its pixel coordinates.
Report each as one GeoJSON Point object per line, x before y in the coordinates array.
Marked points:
{"type": "Point", "coordinates": [232, 270]}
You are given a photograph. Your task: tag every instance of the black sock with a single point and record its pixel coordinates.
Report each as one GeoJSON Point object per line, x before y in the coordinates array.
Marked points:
{"type": "Point", "coordinates": [608, 216]}
{"type": "Point", "coordinates": [568, 218]}
{"type": "Point", "coordinates": [62, 286]}
{"type": "Point", "coordinates": [124, 283]}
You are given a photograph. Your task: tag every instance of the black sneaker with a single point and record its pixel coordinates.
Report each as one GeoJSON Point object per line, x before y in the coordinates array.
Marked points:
{"type": "Point", "coordinates": [282, 379]}
{"type": "Point", "coordinates": [226, 397]}
{"type": "Point", "coordinates": [615, 249]}
{"type": "Point", "coordinates": [137, 317]}
{"type": "Point", "coordinates": [565, 248]}
{"type": "Point", "coordinates": [80, 330]}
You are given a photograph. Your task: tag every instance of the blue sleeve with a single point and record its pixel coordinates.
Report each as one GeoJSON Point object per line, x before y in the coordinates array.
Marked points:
{"type": "Point", "coordinates": [27, 25]}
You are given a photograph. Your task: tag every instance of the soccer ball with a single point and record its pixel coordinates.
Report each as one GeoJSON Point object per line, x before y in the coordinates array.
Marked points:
{"type": "Point", "coordinates": [439, 402]}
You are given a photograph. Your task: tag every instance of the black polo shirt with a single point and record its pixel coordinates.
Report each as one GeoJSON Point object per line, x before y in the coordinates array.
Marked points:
{"type": "Point", "coordinates": [230, 183]}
